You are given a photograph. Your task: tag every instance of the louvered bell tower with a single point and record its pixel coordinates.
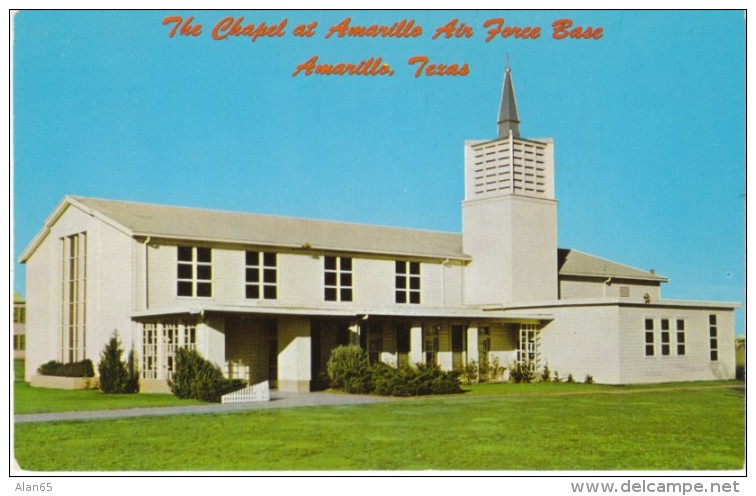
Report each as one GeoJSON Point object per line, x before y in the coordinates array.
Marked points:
{"type": "Point", "coordinates": [509, 214]}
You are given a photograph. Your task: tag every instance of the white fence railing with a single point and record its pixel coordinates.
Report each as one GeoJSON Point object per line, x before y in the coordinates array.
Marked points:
{"type": "Point", "coordinates": [250, 394]}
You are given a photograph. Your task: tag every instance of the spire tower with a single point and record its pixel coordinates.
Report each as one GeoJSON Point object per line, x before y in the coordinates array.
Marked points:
{"type": "Point", "coordinates": [509, 119]}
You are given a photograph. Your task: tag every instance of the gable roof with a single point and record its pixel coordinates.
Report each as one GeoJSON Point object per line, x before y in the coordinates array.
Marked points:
{"type": "Point", "coordinates": [184, 223]}
{"type": "Point", "coordinates": [577, 263]}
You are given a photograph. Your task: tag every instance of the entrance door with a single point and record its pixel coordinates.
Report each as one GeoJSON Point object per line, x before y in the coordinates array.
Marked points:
{"type": "Point", "coordinates": [458, 347]}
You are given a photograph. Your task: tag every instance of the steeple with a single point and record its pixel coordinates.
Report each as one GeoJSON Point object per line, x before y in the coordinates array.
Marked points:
{"type": "Point", "coordinates": [509, 120]}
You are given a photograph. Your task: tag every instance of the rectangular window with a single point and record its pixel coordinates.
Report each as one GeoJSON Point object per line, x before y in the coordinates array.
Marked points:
{"type": "Point", "coordinates": [19, 314]}
{"type": "Point", "coordinates": [160, 341]}
{"type": "Point", "coordinates": [665, 350]}
{"type": "Point", "coordinates": [680, 337]}
{"type": "Point", "coordinates": [649, 337]}
{"type": "Point", "coordinates": [407, 282]}
{"type": "Point", "coordinates": [261, 275]}
{"type": "Point", "coordinates": [194, 271]}
{"type": "Point", "coordinates": [74, 297]}
{"type": "Point", "coordinates": [430, 345]}
{"type": "Point", "coordinates": [713, 339]}
{"type": "Point", "coordinates": [528, 346]}
{"type": "Point", "coordinates": [337, 272]}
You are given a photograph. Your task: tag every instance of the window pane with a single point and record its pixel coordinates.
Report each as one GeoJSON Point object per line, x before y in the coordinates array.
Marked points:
{"type": "Point", "coordinates": [346, 295]}
{"type": "Point", "coordinates": [414, 297]}
{"type": "Point", "coordinates": [680, 325]}
{"type": "Point", "coordinates": [713, 343]}
{"type": "Point", "coordinates": [204, 289]}
{"type": "Point", "coordinates": [185, 271]}
{"type": "Point", "coordinates": [270, 292]}
{"type": "Point", "coordinates": [269, 259]}
{"type": "Point", "coordinates": [401, 282]}
{"type": "Point", "coordinates": [665, 349]}
{"type": "Point", "coordinates": [713, 332]}
{"type": "Point", "coordinates": [329, 263]}
{"type": "Point", "coordinates": [649, 324]}
{"type": "Point", "coordinates": [680, 337]}
{"type": "Point", "coordinates": [253, 275]}
{"type": "Point", "coordinates": [414, 268]}
{"type": "Point", "coordinates": [185, 253]}
{"type": "Point", "coordinates": [203, 255]}
{"type": "Point", "coordinates": [204, 272]}
{"type": "Point", "coordinates": [649, 350]}
{"type": "Point", "coordinates": [680, 349]}
{"type": "Point", "coordinates": [712, 320]}
{"type": "Point", "coordinates": [330, 294]}
{"type": "Point", "coordinates": [346, 264]}
{"type": "Point", "coordinates": [401, 267]}
{"type": "Point", "coordinates": [401, 297]}
{"type": "Point", "coordinates": [253, 291]}
{"type": "Point", "coordinates": [184, 288]}
{"type": "Point", "coordinates": [346, 279]}
{"type": "Point", "coordinates": [252, 258]}
{"type": "Point", "coordinates": [269, 275]}
{"type": "Point", "coordinates": [714, 355]}
{"type": "Point", "coordinates": [414, 283]}
{"type": "Point", "coordinates": [330, 278]}
{"type": "Point", "coordinates": [665, 324]}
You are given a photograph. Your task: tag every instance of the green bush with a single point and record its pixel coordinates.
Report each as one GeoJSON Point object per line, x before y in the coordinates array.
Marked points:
{"type": "Point", "coordinates": [348, 369]}
{"type": "Point", "coordinates": [470, 372]}
{"type": "Point", "coordinates": [588, 379]}
{"type": "Point", "coordinates": [521, 372]}
{"type": "Point", "coordinates": [83, 368]}
{"type": "Point", "coordinates": [546, 374]}
{"type": "Point", "coordinates": [409, 381]}
{"type": "Point", "coordinates": [114, 376]}
{"type": "Point", "coordinates": [195, 377]}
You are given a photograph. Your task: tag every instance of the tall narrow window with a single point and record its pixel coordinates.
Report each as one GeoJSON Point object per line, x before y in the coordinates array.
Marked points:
{"type": "Point", "coordinates": [713, 338]}
{"type": "Point", "coordinates": [337, 273]}
{"type": "Point", "coordinates": [528, 346]}
{"type": "Point", "coordinates": [665, 337]}
{"type": "Point", "coordinates": [161, 341]}
{"type": "Point", "coordinates": [649, 337]}
{"type": "Point", "coordinates": [402, 344]}
{"type": "Point", "coordinates": [194, 271]}
{"type": "Point", "coordinates": [74, 298]}
{"type": "Point", "coordinates": [430, 345]}
{"type": "Point", "coordinates": [407, 282]}
{"type": "Point", "coordinates": [680, 337]}
{"type": "Point", "coordinates": [261, 275]}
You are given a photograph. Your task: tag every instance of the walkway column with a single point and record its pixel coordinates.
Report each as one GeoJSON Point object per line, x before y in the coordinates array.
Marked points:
{"type": "Point", "coordinates": [416, 345]}
{"type": "Point", "coordinates": [294, 354]}
{"type": "Point", "coordinates": [472, 344]}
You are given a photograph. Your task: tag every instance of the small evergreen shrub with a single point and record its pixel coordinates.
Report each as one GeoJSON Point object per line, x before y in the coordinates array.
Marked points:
{"type": "Point", "coordinates": [470, 372]}
{"type": "Point", "coordinates": [114, 374]}
{"type": "Point", "coordinates": [83, 368]}
{"type": "Point", "coordinates": [570, 379]}
{"type": "Point", "coordinates": [588, 379]}
{"type": "Point", "coordinates": [545, 374]}
{"type": "Point", "coordinates": [521, 372]}
{"type": "Point", "coordinates": [132, 384]}
{"type": "Point", "coordinates": [195, 377]}
{"type": "Point", "coordinates": [556, 377]}
{"type": "Point", "coordinates": [349, 369]}
{"type": "Point", "coordinates": [495, 371]}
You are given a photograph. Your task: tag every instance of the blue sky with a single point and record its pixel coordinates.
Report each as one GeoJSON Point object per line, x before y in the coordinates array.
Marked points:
{"type": "Point", "coordinates": [648, 123]}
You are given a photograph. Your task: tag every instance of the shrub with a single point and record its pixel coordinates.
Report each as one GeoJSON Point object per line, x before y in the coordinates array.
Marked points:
{"type": "Point", "coordinates": [132, 385]}
{"type": "Point", "coordinates": [348, 369]}
{"type": "Point", "coordinates": [114, 376]}
{"type": "Point", "coordinates": [470, 372]}
{"type": "Point", "coordinates": [588, 379]}
{"type": "Point", "coordinates": [83, 368]}
{"type": "Point", "coordinates": [570, 379]}
{"type": "Point", "coordinates": [545, 374]}
{"type": "Point", "coordinates": [522, 372]}
{"type": "Point", "coordinates": [409, 381]}
{"type": "Point", "coordinates": [556, 377]}
{"type": "Point", "coordinates": [495, 371]}
{"type": "Point", "coordinates": [195, 377]}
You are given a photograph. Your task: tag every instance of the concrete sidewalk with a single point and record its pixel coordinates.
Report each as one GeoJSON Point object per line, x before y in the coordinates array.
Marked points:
{"type": "Point", "coordinates": [277, 400]}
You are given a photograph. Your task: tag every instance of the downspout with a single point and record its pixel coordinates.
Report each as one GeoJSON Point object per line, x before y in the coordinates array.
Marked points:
{"type": "Point", "coordinates": [608, 282]}
{"type": "Point", "coordinates": [146, 274]}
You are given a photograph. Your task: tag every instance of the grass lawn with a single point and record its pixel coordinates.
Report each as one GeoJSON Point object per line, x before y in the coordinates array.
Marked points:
{"type": "Point", "coordinates": [27, 399]}
{"type": "Point", "coordinates": [537, 429]}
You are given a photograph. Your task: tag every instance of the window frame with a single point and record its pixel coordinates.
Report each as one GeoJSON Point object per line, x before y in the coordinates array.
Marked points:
{"type": "Point", "coordinates": [338, 278]}
{"type": "Point", "coordinates": [407, 282]}
{"type": "Point", "coordinates": [266, 273]}
{"type": "Point", "coordinates": [195, 264]}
